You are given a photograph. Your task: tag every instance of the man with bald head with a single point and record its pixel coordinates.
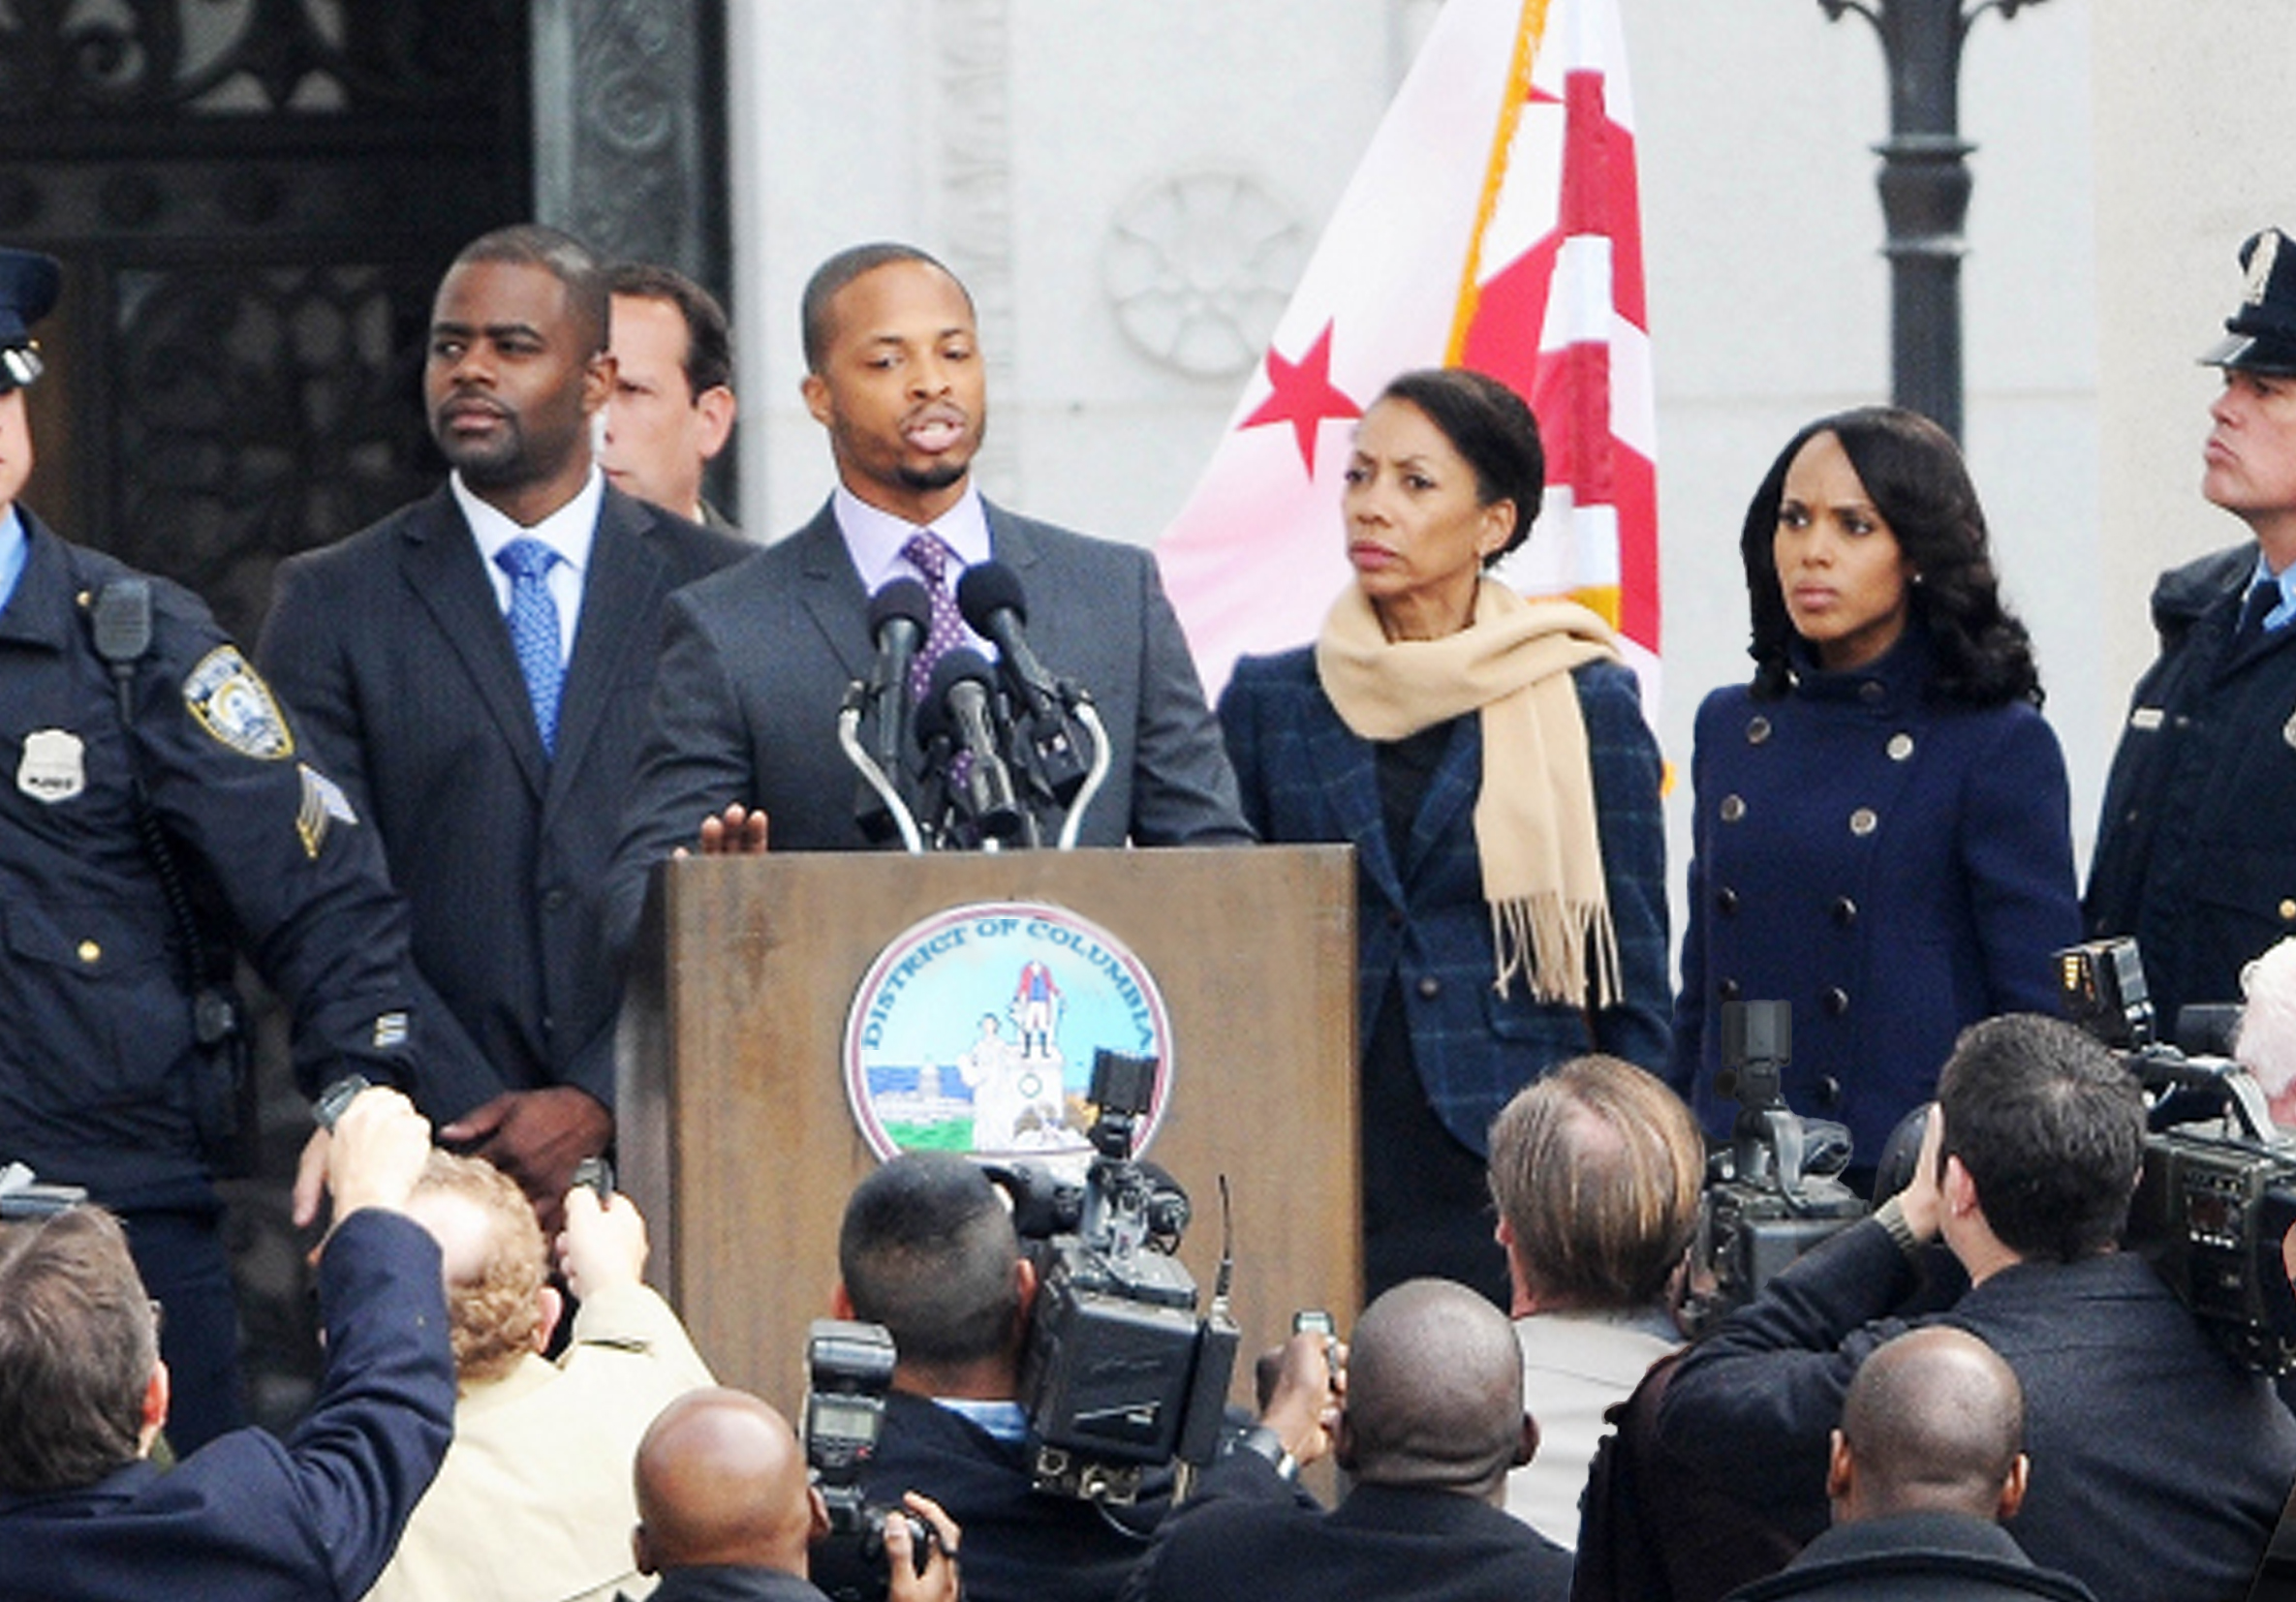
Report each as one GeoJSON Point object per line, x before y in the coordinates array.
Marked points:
{"type": "Point", "coordinates": [1928, 1463]}
{"type": "Point", "coordinates": [725, 1512]}
{"type": "Point", "coordinates": [1431, 1422]}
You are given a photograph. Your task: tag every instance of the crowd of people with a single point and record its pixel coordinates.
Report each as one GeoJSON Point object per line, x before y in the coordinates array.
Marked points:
{"type": "Point", "coordinates": [428, 811]}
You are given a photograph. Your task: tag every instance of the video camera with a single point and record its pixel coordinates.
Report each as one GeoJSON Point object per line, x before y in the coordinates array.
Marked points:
{"type": "Point", "coordinates": [1119, 1374]}
{"type": "Point", "coordinates": [848, 1369]}
{"type": "Point", "coordinates": [2218, 1195]}
{"type": "Point", "coordinates": [1771, 1195]}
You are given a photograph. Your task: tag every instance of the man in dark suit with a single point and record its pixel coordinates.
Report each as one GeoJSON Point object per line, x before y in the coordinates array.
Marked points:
{"type": "Point", "coordinates": [756, 663]}
{"type": "Point", "coordinates": [1431, 1422]}
{"type": "Point", "coordinates": [2159, 1464]}
{"type": "Point", "coordinates": [475, 668]}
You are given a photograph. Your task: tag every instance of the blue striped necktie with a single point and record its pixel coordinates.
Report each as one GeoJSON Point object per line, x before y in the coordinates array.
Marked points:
{"type": "Point", "coordinates": [534, 629]}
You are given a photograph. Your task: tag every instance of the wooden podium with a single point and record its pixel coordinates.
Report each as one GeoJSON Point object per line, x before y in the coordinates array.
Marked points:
{"type": "Point", "coordinates": [739, 1140]}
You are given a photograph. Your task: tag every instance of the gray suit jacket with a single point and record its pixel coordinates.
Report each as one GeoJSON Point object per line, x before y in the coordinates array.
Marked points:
{"type": "Point", "coordinates": [391, 650]}
{"type": "Point", "coordinates": [755, 663]}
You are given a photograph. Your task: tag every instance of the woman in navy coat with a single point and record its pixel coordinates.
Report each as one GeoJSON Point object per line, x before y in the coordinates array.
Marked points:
{"type": "Point", "coordinates": [1880, 833]}
{"type": "Point", "coordinates": [1487, 758]}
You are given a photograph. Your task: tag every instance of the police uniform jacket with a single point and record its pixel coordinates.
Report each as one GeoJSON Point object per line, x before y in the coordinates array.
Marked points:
{"type": "Point", "coordinates": [1422, 920]}
{"type": "Point", "coordinates": [2195, 850]}
{"type": "Point", "coordinates": [250, 1518]}
{"type": "Point", "coordinates": [99, 1069]}
{"type": "Point", "coordinates": [1893, 867]}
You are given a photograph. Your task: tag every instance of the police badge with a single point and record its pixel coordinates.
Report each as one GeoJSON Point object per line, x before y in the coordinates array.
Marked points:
{"type": "Point", "coordinates": [232, 703]}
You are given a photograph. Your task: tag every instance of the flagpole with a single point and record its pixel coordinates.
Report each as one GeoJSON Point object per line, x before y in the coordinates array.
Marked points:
{"type": "Point", "coordinates": [1925, 191]}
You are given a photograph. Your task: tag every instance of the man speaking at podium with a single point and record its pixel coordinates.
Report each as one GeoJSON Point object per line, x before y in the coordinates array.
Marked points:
{"type": "Point", "coordinates": [758, 658]}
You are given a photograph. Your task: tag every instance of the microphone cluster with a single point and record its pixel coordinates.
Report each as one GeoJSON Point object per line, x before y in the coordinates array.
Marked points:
{"type": "Point", "coordinates": [988, 755]}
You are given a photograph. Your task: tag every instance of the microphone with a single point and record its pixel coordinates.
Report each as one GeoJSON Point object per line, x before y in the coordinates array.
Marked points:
{"type": "Point", "coordinates": [989, 594]}
{"type": "Point", "coordinates": [900, 617]}
{"type": "Point", "coordinates": [957, 709]}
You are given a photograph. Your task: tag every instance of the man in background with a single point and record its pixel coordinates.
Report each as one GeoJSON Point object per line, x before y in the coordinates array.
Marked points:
{"type": "Point", "coordinates": [672, 407]}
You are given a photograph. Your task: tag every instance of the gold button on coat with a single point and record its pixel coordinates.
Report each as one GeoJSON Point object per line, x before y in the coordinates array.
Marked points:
{"type": "Point", "coordinates": [90, 952]}
{"type": "Point", "coordinates": [1864, 822]}
{"type": "Point", "coordinates": [1900, 747]}
{"type": "Point", "coordinates": [1733, 808]}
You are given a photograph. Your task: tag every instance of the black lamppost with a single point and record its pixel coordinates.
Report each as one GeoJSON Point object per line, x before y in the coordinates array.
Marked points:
{"type": "Point", "coordinates": [1925, 191]}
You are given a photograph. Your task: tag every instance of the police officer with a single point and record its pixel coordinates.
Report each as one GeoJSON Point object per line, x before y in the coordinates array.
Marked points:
{"type": "Point", "coordinates": [154, 801]}
{"type": "Point", "coordinates": [2196, 853]}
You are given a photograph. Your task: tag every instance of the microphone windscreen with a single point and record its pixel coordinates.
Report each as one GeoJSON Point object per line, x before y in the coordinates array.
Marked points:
{"type": "Point", "coordinates": [900, 598]}
{"type": "Point", "coordinates": [985, 589]}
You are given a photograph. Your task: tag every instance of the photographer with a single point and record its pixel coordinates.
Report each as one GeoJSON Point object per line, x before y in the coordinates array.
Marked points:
{"type": "Point", "coordinates": [1596, 1171]}
{"type": "Point", "coordinates": [928, 1250]}
{"type": "Point", "coordinates": [725, 1513]}
{"type": "Point", "coordinates": [85, 1516]}
{"type": "Point", "coordinates": [532, 1501]}
{"type": "Point", "coordinates": [2159, 1464]}
{"type": "Point", "coordinates": [1430, 1420]}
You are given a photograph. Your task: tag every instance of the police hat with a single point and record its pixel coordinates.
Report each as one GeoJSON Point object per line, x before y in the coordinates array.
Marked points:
{"type": "Point", "coordinates": [29, 283]}
{"type": "Point", "coordinates": [2262, 334]}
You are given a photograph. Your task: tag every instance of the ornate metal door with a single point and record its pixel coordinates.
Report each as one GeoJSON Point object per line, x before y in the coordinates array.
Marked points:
{"type": "Point", "coordinates": [254, 201]}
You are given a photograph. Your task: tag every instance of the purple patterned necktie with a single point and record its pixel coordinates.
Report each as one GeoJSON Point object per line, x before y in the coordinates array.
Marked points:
{"type": "Point", "coordinates": [929, 554]}
{"type": "Point", "coordinates": [534, 629]}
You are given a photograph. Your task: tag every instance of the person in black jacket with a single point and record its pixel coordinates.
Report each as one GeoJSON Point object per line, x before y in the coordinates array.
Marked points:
{"type": "Point", "coordinates": [2158, 1462]}
{"type": "Point", "coordinates": [1431, 1422]}
{"type": "Point", "coordinates": [927, 1249]}
{"type": "Point", "coordinates": [1929, 1461]}
{"type": "Point", "coordinates": [2193, 856]}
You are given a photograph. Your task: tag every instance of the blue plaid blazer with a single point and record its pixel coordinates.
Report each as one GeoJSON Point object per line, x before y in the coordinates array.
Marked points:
{"type": "Point", "coordinates": [1420, 914]}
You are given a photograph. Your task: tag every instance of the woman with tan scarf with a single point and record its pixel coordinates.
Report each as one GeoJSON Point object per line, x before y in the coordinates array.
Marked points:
{"type": "Point", "coordinates": [1487, 758]}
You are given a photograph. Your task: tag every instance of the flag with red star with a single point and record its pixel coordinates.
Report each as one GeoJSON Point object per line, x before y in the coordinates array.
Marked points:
{"type": "Point", "coordinates": [1494, 223]}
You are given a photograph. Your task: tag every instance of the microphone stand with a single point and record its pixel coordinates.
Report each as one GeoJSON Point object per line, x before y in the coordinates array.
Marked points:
{"type": "Point", "coordinates": [849, 739]}
{"type": "Point", "coordinates": [1079, 703]}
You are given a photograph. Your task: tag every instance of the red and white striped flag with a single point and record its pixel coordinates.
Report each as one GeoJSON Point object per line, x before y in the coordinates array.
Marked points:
{"type": "Point", "coordinates": [1494, 223]}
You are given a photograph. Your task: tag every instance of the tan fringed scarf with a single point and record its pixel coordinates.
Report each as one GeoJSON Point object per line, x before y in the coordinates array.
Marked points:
{"type": "Point", "coordinates": [1535, 829]}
